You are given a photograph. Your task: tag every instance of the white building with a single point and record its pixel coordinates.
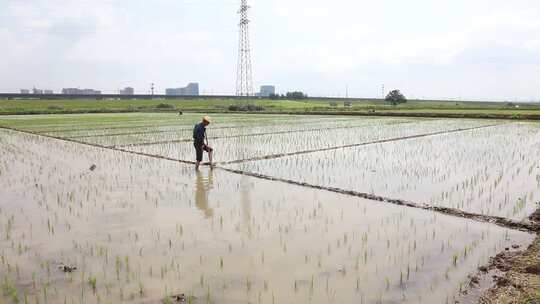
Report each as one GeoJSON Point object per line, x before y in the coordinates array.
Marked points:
{"type": "Point", "coordinates": [76, 91]}
{"type": "Point", "coordinates": [127, 91]}
{"type": "Point", "coordinates": [267, 90]}
{"type": "Point", "coordinates": [192, 89]}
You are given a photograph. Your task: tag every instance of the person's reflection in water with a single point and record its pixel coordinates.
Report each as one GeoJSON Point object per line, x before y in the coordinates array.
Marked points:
{"type": "Point", "coordinates": [203, 186]}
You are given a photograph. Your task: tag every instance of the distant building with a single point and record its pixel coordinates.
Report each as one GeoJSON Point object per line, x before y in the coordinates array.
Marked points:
{"type": "Point", "coordinates": [71, 91]}
{"type": "Point", "coordinates": [90, 92]}
{"type": "Point", "coordinates": [75, 91]}
{"type": "Point", "coordinates": [267, 90]}
{"type": "Point", "coordinates": [127, 91]}
{"type": "Point", "coordinates": [173, 92]}
{"type": "Point", "coordinates": [192, 89]}
{"type": "Point", "coordinates": [36, 91]}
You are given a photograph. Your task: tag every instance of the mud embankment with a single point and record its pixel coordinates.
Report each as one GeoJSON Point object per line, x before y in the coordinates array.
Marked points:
{"type": "Point", "coordinates": [512, 276]}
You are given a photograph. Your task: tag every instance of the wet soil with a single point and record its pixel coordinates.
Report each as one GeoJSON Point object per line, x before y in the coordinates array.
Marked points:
{"type": "Point", "coordinates": [512, 276]}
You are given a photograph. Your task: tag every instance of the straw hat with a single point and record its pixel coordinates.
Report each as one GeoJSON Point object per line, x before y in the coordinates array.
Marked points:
{"type": "Point", "coordinates": [207, 119]}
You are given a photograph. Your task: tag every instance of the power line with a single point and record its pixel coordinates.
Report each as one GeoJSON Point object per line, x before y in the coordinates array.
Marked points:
{"type": "Point", "coordinates": [244, 77]}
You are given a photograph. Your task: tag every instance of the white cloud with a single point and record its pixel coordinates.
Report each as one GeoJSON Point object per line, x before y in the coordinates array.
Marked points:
{"type": "Point", "coordinates": [431, 48]}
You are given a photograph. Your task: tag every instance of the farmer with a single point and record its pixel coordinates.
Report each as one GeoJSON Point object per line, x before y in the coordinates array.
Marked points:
{"type": "Point", "coordinates": [201, 142]}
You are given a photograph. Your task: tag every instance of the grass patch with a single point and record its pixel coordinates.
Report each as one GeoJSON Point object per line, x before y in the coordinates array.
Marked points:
{"type": "Point", "coordinates": [309, 106]}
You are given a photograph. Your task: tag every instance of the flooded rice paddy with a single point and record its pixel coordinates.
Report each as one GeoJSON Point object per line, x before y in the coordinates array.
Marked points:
{"type": "Point", "coordinates": [491, 171]}
{"type": "Point", "coordinates": [140, 229]}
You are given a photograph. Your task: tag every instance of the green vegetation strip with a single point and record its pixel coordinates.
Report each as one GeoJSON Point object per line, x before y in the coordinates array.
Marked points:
{"type": "Point", "coordinates": [371, 107]}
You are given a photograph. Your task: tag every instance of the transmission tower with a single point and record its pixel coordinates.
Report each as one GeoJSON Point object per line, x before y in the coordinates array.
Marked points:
{"type": "Point", "coordinates": [244, 77]}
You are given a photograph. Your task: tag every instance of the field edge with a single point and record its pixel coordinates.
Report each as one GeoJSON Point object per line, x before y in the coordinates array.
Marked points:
{"type": "Point", "coordinates": [513, 276]}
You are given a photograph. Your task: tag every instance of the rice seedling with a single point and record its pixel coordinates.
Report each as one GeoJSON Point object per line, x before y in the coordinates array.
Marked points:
{"type": "Point", "coordinates": [92, 281]}
{"type": "Point", "coordinates": [9, 290]}
{"type": "Point", "coordinates": [107, 221]}
{"type": "Point", "coordinates": [458, 176]}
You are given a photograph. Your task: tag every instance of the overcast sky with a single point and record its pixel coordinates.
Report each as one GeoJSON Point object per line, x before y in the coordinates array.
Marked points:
{"type": "Point", "coordinates": [470, 49]}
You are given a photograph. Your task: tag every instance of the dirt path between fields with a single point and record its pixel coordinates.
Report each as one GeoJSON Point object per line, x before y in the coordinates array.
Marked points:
{"type": "Point", "coordinates": [511, 277]}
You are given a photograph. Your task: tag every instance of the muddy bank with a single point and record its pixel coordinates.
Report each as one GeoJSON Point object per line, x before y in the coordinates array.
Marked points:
{"type": "Point", "coordinates": [512, 276]}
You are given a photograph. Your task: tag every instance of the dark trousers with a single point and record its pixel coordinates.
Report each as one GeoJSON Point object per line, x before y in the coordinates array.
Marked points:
{"type": "Point", "coordinates": [199, 148]}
